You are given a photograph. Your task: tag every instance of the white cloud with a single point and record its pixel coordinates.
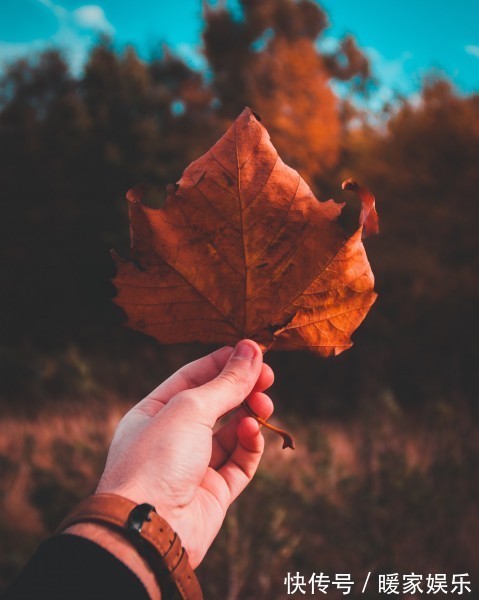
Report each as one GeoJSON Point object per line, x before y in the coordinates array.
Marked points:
{"type": "Point", "coordinates": [76, 34]}
{"type": "Point", "coordinates": [389, 71]}
{"type": "Point", "coordinates": [92, 16]}
{"type": "Point", "coordinates": [392, 77]}
{"type": "Point", "coordinates": [192, 55]}
{"type": "Point", "coordinates": [473, 50]}
{"type": "Point", "coordinates": [328, 44]}
{"type": "Point", "coordinates": [56, 9]}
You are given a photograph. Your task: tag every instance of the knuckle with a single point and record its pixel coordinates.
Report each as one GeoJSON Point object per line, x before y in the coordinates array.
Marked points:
{"type": "Point", "coordinates": [231, 378]}
{"type": "Point", "coordinates": [188, 399]}
{"type": "Point", "coordinates": [124, 423]}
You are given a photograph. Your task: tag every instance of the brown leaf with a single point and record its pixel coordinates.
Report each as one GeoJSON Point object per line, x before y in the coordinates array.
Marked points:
{"type": "Point", "coordinates": [243, 249]}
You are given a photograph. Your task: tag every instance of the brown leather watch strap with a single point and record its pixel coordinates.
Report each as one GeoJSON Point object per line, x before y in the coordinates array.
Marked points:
{"type": "Point", "coordinates": [141, 522]}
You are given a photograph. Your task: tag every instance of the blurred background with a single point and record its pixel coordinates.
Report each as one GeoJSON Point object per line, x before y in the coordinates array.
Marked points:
{"type": "Point", "coordinates": [97, 98]}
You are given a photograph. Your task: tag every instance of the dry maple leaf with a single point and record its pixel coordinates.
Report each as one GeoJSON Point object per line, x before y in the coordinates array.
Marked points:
{"type": "Point", "coordinates": [243, 249]}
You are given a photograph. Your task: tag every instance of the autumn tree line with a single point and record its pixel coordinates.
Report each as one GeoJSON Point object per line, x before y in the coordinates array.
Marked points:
{"type": "Point", "coordinates": [71, 146]}
{"type": "Point", "coordinates": [384, 477]}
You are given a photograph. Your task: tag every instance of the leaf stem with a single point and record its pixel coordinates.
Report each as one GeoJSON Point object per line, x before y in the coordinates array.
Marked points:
{"type": "Point", "coordinates": [288, 441]}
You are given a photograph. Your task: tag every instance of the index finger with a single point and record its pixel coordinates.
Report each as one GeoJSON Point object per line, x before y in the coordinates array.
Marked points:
{"type": "Point", "coordinates": [188, 377]}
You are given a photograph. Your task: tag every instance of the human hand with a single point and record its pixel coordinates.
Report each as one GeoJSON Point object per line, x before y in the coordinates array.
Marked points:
{"type": "Point", "coordinates": [164, 451]}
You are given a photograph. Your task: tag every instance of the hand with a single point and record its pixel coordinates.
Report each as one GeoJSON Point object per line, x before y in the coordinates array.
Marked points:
{"type": "Point", "coordinates": [164, 451]}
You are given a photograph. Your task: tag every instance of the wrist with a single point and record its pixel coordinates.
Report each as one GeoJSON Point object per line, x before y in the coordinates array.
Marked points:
{"type": "Point", "coordinates": [173, 514]}
{"type": "Point", "coordinates": [122, 549]}
{"type": "Point", "coordinates": [146, 534]}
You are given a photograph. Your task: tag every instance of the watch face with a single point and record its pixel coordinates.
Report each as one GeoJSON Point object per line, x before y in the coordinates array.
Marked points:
{"type": "Point", "coordinates": [138, 516]}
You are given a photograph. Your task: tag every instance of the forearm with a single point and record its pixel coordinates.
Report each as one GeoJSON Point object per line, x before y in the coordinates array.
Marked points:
{"type": "Point", "coordinates": [117, 545]}
{"type": "Point", "coordinates": [146, 536]}
{"type": "Point", "coordinates": [75, 567]}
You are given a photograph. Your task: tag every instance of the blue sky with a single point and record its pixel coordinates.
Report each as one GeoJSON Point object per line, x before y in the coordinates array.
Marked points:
{"type": "Point", "coordinates": [404, 39]}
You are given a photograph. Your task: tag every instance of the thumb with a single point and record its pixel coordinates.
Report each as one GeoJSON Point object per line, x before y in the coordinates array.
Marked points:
{"type": "Point", "coordinates": [235, 382]}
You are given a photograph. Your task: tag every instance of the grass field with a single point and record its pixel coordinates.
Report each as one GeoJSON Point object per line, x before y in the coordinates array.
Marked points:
{"type": "Point", "coordinates": [383, 492]}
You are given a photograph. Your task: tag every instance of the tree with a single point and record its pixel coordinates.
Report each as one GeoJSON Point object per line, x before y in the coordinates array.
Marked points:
{"type": "Point", "coordinates": [422, 168]}
{"type": "Point", "coordinates": [267, 57]}
{"type": "Point", "coordinates": [70, 148]}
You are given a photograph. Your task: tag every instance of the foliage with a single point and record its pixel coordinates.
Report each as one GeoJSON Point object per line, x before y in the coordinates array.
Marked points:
{"type": "Point", "coordinates": [243, 249]}
{"type": "Point", "coordinates": [267, 58]}
{"type": "Point", "coordinates": [69, 149]}
{"type": "Point", "coordinates": [423, 167]}
{"type": "Point", "coordinates": [406, 504]}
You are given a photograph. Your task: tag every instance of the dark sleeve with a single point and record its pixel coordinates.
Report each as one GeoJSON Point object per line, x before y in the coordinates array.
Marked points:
{"type": "Point", "coordinates": [69, 567]}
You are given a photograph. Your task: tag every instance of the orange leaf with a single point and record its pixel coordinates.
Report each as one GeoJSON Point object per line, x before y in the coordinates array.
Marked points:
{"type": "Point", "coordinates": [243, 249]}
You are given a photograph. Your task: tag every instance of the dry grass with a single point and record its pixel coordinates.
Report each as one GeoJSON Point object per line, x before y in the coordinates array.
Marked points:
{"type": "Point", "coordinates": [385, 479]}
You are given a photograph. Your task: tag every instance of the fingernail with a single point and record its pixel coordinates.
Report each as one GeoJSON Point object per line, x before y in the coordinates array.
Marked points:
{"type": "Point", "coordinates": [244, 350]}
